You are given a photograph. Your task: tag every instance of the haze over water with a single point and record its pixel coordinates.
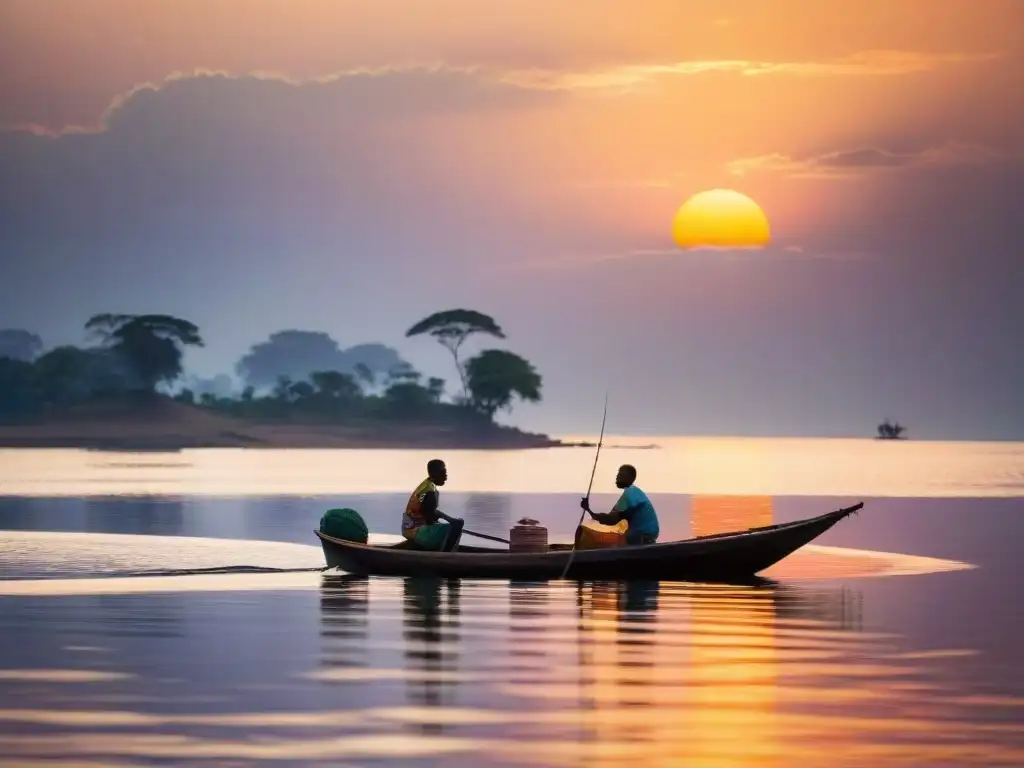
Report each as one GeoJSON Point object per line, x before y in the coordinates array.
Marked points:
{"type": "Point", "coordinates": [893, 641]}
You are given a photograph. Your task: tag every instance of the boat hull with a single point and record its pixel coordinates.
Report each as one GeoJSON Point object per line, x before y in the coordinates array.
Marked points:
{"type": "Point", "coordinates": [726, 557]}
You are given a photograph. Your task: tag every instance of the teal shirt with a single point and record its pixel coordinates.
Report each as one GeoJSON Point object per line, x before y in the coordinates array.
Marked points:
{"type": "Point", "coordinates": [644, 519]}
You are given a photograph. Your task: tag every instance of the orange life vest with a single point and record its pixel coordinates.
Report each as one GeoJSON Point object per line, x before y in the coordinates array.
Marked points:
{"type": "Point", "coordinates": [413, 518]}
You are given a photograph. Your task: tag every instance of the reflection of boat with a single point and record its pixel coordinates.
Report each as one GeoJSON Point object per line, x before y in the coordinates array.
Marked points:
{"type": "Point", "coordinates": [738, 555]}
{"type": "Point", "coordinates": [888, 430]}
{"type": "Point", "coordinates": [344, 620]}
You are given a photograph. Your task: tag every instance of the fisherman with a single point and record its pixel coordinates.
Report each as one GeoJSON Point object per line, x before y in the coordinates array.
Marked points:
{"type": "Point", "coordinates": [421, 522]}
{"type": "Point", "coordinates": [633, 506]}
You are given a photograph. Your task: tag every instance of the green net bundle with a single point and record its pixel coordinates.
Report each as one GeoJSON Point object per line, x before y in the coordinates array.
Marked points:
{"type": "Point", "coordinates": [345, 524]}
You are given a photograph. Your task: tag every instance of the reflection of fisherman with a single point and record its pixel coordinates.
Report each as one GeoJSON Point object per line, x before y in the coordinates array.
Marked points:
{"type": "Point", "coordinates": [633, 506]}
{"type": "Point", "coordinates": [421, 522]}
{"type": "Point", "coordinates": [428, 650]}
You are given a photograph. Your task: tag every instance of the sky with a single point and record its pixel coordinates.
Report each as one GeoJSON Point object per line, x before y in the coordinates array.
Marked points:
{"type": "Point", "coordinates": [351, 167]}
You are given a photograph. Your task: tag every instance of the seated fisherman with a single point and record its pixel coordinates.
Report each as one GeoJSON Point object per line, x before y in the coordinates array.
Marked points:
{"type": "Point", "coordinates": [421, 522]}
{"type": "Point", "coordinates": [633, 506]}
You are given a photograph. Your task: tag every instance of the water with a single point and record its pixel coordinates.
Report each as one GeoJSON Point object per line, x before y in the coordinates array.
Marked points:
{"type": "Point", "coordinates": [166, 609]}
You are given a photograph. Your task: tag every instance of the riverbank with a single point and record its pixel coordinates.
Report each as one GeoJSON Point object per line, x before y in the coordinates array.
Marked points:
{"type": "Point", "coordinates": [165, 425]}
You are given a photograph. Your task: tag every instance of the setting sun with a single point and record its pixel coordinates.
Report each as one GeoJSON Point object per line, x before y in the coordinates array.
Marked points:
{"type": "Point", "coordinates": [720, 218]}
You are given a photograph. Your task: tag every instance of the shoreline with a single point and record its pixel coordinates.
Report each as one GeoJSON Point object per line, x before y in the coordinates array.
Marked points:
{"type": "Point", "coordinates": [165, 426]}
{"type": "Point", "coordinates": [267, 437]}
{"type": "Point", "coordinates": [48, 438]}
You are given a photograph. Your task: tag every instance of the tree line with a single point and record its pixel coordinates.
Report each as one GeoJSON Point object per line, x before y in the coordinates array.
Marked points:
{"type": "Point", "coordinates": [293, 374]}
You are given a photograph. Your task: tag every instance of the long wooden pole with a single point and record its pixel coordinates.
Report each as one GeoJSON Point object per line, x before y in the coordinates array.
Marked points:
{"type": "Point", "coordinates": [600, 441]}
{"type": "Point", "coordinates": [466, 532]}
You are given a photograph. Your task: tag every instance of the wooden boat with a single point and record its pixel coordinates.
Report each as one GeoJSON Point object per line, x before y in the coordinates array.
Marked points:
{"type": "Point", "coordinates": [729, 557]}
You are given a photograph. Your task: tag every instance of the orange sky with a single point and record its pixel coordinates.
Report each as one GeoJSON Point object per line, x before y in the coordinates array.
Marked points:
{"type": "Point", "coordinates": [642, 125]}
{"type": "Point", "coordinates": [566, 133]}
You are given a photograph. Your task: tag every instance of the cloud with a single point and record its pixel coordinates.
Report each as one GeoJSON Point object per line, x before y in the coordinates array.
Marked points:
{"type": "Point", "coordinates": [863, 64]}
{"type": "Point", "coordinates": [208, 138]}
{"type": "Point", "coordinates": [858, 162]}
{"type": "Point", "coordinates": [206, 178]}
{"type": "Point", "coordinates": [780, 251]}
{"type": "Point", "coordinates": [437, 86]}
{"type": "Point", "coordinates": [385, 91]}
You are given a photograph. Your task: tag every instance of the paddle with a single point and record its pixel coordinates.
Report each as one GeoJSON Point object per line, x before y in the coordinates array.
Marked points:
{"type": "Point", "coordinates": [466, 532]}
{"type": "Point", "coordinates": [600, 440]}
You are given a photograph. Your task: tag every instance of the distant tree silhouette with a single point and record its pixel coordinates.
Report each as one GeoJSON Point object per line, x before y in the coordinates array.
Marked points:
{"type": "Point", "coordinates": [365, 374]}
{"type": "Point", "coordinates": [17, 389]}
{"type": "Point", "coordinates": [375, 386]}
{"type": "Point", "coordinates": [297, 354]}
{"type": "Point", "coordinates": [150, 344]}
{"type": "Point", "coordinates": [495, 376]}
{"type": "Point", "coordinates": [435, 387]}
{"type": "Point", "coordinates": [19, 344]}
{"type": "Point", "coordinates": [335, 384]}
{"type": "Point", "coordinates": [452, 327]}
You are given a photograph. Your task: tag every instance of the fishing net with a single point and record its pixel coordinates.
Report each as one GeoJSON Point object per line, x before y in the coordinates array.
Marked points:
{"type": "Point", "coordinates": [345, 524]}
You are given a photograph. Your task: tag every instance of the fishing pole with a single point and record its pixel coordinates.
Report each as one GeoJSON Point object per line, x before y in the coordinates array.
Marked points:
{"type": "Point", "coordinates": [600, 441]}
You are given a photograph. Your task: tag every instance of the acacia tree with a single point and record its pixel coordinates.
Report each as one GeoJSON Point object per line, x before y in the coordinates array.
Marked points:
{"type": "Point", "coordinates": [495, 376]}
{"type": "Point", "coordinates": [452, 327]}
{"type": "Point", "coordinates": [150, 344]}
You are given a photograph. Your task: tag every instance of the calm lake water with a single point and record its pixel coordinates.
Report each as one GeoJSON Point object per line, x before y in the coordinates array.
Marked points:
{"type": "Point", "coordinates": [896, 640]}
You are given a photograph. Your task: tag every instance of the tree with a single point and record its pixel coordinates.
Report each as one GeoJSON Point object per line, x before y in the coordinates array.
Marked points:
{"type": "Point", "coordinates": [364, 373]}
{"type": "Point", "coordinates": [221, 385]}
{"type": "Point", "coordinates": [61, 375]}
{"type": "Point", "coordinates": [404, 373]}
{"type": "Point", "coordinates": [294, 354]}
{"type": "Point", "coordinates": [17, 391]}
{"type": "Point", "coordinates": [19, 344]}
{"type": "Point", "coordinates": [376, 358]}
{"type": "Point", "coordinates": [452, 327]}
{"type": "Point", "coordinates": [496, 375]}
{"type": "Point", "coordinates": [408, 399]}
{"type": "Point", "coordinates": [300, 390]}
{"type": "Point", "coordinates": [282, 388]}
{"type": "Point", "coordinates": [150, 344]}
{"type": "Point", "coordinates": [297, 354]}
{"type": "Point", "coordinates": [435, 387]}
{"type": "Point", "coordinates": [335, 384]}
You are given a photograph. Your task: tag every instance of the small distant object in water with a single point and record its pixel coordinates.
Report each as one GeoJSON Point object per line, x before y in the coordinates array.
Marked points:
{"type": "Point", "coordinates": [889, 430]}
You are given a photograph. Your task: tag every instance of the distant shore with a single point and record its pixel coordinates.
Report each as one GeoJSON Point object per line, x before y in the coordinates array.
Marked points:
{"type": "Point", "coordinates": [131, 436]}
{"type": "Point", "coordinates": [170, 426]}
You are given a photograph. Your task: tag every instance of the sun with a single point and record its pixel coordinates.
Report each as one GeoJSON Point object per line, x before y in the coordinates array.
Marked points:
{"type": "Point", "coordinates": [720, 218]}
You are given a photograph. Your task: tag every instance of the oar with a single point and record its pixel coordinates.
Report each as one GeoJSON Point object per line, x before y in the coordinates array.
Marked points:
{"type": "Point", "coordinates": [485, 536]}
{"type": "Point", "coordinates": [600, 440]}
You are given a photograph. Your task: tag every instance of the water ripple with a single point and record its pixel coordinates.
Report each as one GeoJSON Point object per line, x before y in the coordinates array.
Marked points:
{"type": "Point", "coordinates": [488, 673]}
